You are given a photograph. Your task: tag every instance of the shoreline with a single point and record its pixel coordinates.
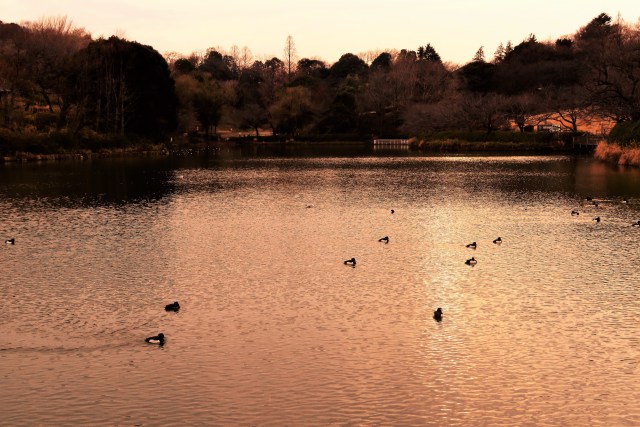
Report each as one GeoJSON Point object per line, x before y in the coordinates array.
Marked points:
{"type": "Point", "coordinates": [616, 154]}
{"type": "Point", "coordinates": [167, 149]}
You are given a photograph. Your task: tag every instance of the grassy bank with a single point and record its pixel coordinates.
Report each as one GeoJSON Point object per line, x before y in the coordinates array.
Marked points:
{"type": "Point", "coordinates": [493, 141]}
{"type": "Point", "coordinates": [60, 145]}
{"type": "Point", "coordinates": [507, 146]}
{"type": "Point", "coordinates": [614, 153]}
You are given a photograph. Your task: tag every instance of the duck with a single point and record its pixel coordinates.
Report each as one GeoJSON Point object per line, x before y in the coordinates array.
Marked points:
{"type": "Point", "coordinates": [384, 239]}
{"type": "Point", "coordinates": [11, 241]}
{"type": "Point", "coordinates": [471, 261]}
{"type": "Point", "coordinates": [392, 211]}
{"type": "Point", "coordinates": [589, 198]}
{"type": "Point", "coordinates": [438, 314]}
{"type": "Point", "coordinates": [575, 213]}
{"type": "Point", "coordinates": [351, 261]}
{"type": "Point", "coordinates": [636, 224]}
{"type": "Point", "coordinates": [596, 219]}
{"type": "Point", "coordinates": [172, 307]}
{"type": "Point", "coordinates": [595, 204]}
{"type": "Point", "coordinates": [472, 245]}
{"type": "Point", "coordinates": [157, 339]}
{"type": "Point", "coordinates": [497, 241]}
{"type": "Point", "coordinates": [625, 200]}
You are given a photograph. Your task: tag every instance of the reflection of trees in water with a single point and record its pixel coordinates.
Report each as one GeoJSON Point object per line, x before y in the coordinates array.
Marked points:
{"type": "Point", "coordinates": [112, 181]}
{"type": "Point", "coordinates": [132, 180]}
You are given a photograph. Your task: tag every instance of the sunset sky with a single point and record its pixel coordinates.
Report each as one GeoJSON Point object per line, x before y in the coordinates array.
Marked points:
{"type": "Point", "coordinates": [325, 29]}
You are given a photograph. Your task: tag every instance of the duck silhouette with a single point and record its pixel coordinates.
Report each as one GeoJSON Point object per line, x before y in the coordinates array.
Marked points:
{"type": "Point", "coordinates": [157, 339]}
{"type": "Point", "coordinates": [11, 241]}
{"type": "Point", "coordinates": [596, 219]}
{"type": "Point", "coordinates": [351, 262]}
{"type": "Point", "coordinates": [392, 211]}
{"type": "Point", "coordinates": [471, 261]}
{"type": "Point", "coordinates": [438, 314]}
{"type": "Point", "coordinates": [472, 245]}
{"type": "Point", "coordinates": [636, 224]}
{"type": "Point", "coordinates": [384, 239]}
{"type": "Point", "coordinates": [497, 241]}
{"type": "Point", "coordinates": [172, 307]}
{"type": "Point", "coordinates": [575, 213]}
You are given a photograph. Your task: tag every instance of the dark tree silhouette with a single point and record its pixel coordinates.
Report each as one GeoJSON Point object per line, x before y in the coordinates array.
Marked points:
{"type": "Point", "coordinates": [428, 53]}
{"type": "Point", "coordinates": [122, 87]}
{"type": "Point", "coordinates": [382, 62]}
{"type": "Point", "coordinates": [348, 64]}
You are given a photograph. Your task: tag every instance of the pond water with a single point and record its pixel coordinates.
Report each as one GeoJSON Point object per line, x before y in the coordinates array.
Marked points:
{"type": "Point", "coordinates": [275, 330]}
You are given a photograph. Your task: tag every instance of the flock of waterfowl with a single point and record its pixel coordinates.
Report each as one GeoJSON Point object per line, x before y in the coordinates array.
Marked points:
{"type": "Point", "coordinates": [596, 204]}
{"type": "Point", "coordinates": [156, 339]}
{"type": "Point", "coordinates": [437, 314]}
{"type": "Point", "coordinates": [159, 339]}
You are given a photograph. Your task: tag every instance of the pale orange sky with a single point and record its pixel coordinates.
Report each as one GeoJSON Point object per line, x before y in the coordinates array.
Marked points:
{"type": "Point", "coordinates": [325, 29]}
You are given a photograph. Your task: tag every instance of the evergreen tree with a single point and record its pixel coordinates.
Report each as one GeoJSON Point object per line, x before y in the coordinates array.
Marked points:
{"type": "Point", "coordinates": [498, 56]}
{"type": "Point", "coordinates": [479, 56]}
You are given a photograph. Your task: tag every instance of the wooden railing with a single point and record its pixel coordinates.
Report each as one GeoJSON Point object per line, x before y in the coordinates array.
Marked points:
{"type": "Point", "coordinates": [390, 142]}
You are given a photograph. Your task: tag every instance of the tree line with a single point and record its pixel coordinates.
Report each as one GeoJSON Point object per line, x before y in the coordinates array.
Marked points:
{"type": "Point", "coordinates": [55, 76]}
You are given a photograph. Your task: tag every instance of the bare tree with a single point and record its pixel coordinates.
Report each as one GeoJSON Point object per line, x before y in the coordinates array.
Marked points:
{"type": "Point", "coordinates": [235, 54]}
{"type": "Point", "coordinates": [290, 57]}
{"type": "Point", "coordinates": [615, 83]}
{"type": "Point", "coordinates": [51, 43]}
{"type": "Point", "coordinates": [570, 107]}
{"type": "Point", "coordinates": [246, 58]}
{"type": "Point", "coordinates": [370, 55]}
{"type": "Point", "coordinates": [522, 109]}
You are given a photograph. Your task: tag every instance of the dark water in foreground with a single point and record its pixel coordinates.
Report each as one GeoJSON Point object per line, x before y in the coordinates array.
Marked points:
{"type": "Point", "coordinates": [275, 330]}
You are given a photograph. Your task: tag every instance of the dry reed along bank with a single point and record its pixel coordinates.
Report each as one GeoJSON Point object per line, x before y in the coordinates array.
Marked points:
{"type": "Point", "coordinates": [613, 153]}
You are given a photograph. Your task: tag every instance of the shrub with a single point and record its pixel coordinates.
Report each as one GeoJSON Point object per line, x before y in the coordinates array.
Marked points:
{"type": "Point", "coordinates": [608, 152]}
{"type": "Point", "coordinates": [626, 133]}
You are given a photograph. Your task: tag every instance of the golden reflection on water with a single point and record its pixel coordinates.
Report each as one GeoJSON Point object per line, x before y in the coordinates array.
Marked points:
{"type": "Point", "coordinates": [274, 329]}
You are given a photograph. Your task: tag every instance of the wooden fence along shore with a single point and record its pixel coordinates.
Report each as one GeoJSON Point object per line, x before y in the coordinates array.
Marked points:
{"type": "Point", "coordinates": [391, 142]}
{"type": "Point", "coordinates": [586, 141]}
{"type": "Point", "coordinates": [582, 142]}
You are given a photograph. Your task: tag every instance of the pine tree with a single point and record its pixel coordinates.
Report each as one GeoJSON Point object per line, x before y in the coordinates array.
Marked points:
{"type": "Point", "coordinates": [499, 55]}
{"type": "Point", "coordinates": [430, 54]}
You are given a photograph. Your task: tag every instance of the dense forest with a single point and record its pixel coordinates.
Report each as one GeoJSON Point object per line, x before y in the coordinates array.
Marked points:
{"type": "Point", "coordinates": [55, 79]}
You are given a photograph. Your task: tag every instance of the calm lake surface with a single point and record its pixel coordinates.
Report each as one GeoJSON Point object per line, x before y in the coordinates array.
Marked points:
{"type": "Point", "coordinates": [275, 330]}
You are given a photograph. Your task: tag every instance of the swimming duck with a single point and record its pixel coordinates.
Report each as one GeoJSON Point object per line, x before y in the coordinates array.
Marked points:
{"type": "Point", "coordinates": [11, 241]}
{"type": "Point", "coordinates": [172, 307]}
{"type": "Point", "coordinates": [472, 245]}
{"type": "Point", "coordinates": [596, 219]}
{"type": "Point", "coordinates": [589, 198]}
{"type": "Point", "coordinates": [392, 211]}
{"type": "Point", "coordinates": [497, 241]}
{"type": "Point", "coordinates": [384, 239]}
{"type": "Point", "coordinates": [158, 339]}
{"type": "Point", "coordinates": [575, 213]}
{"type": "Point", "coordinates": [471, 261]}
{"type": "Point", "coordinates": [438, 314]}
{"type": "Point", "coordinates": [625, 200]}
{"type": "Point", "coordinates": [351, 261]}
{"type": "Point", "coordinates": [636, 224]}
